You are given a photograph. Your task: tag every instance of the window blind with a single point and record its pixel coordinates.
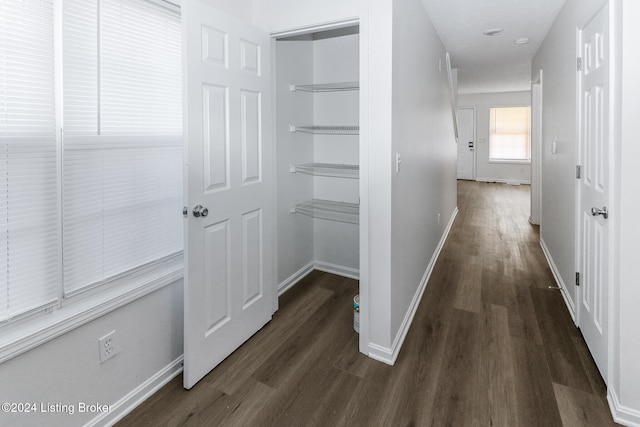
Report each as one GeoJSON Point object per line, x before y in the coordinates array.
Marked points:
{"type": "Point", "coordinates": [509, 133]}
{"type": "Point", "coordinates": [122, 152]}
{"type": "Point", "coordinates": [28, 160]}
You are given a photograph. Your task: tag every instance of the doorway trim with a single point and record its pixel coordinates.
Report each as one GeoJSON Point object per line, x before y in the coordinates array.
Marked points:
{"type": "Point", "coordinates": [536, 149]}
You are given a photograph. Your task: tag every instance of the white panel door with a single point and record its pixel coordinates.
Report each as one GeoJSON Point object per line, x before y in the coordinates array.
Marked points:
{"type": "Point", "coordinates": [594, 187]}
{"type": "Point", "coordinates": [466, 143]}
{"type": "Point", "coordinates": [229, 281]}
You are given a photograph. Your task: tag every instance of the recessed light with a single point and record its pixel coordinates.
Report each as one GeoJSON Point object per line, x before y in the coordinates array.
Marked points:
{"type": "Point", "coordinates": [522, 40]}
{"type": "Point", "coordinates": [493, 31]}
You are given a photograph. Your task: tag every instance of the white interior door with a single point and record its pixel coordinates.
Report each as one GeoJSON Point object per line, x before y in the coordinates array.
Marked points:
{"type": "Point", "coordinates": [594, 187]}
{"type": "Point", "coordinates": [466, 143]}
{"type": "Point", "coordinates": [229, 289]}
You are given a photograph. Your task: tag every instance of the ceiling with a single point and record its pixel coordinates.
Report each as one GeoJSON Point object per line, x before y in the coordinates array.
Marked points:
{"type": "Point", "coordinates": [492, 63]}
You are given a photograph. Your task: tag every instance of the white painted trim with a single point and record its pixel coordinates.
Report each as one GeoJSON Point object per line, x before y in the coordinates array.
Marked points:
{"type": "Point", "coordinates": [505, 181]}
{"type": "Point", "coordinates": [390, 355]}
{"type": "Point", "coordinates": [509, 162]}
{"type": "Point", "coordinates": [44, 328]}
{"type": "Point", "coordinates": [135, 397]}
{"type": "Point", "coordinates": [381, 354]}
{"type": "Point", "coordinates": [622, 414]}
{"type": "Point", "coordinates": [292, 280]}
{"type": "Point", "coordinates": [536, 148]}
{"type": "Point", "coordinates": [563, 288]}
{"type": "Point", "coordinates": [340, 270]}
{"type": "Point", "coordinates": [363, 157]}
{"type": "Point", "coordinates": [323, 26]}
{"type": "Point", "coordinates": [275, 288]}
{"type": "Point", "coordinates": [577, 189]}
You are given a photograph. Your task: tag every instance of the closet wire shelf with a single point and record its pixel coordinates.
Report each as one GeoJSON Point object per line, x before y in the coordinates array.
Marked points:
{"type": "Point", "coordinates": [326, 129]}
{"type": "Point", "coordinates": [328, 169]}
{"type": "Point", "coordinates": [325, 87]}
{"type": "Point", "coordinates": [329, 210]}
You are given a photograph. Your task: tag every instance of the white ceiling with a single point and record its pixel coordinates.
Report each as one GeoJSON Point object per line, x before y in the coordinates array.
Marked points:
{"type": "Point", "coordinates": [492, 64]}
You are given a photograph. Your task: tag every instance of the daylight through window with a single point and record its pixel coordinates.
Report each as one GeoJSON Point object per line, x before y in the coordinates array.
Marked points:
{"type": "Point", "coordinates": [510, 134]}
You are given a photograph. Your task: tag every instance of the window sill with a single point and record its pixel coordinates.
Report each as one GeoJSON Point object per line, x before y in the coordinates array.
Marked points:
{"type": "Point", "coordinates": [511, 162]}
{"type": "Point", "coordinates": [27, 334]}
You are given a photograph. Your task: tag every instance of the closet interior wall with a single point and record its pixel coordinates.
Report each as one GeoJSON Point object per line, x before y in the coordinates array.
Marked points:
{"type": "Point", "coordinates": [304, 241]}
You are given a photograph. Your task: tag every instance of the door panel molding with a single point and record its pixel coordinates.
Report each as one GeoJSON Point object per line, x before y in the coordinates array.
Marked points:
{"type": "Point", "coordinates": [229, 259]}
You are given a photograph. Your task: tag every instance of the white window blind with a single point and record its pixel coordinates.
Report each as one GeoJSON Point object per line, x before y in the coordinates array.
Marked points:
{"type": "Point", "coordinates": [122, 167]}
{"type": "Point", "coordinates": [28, 161]}
{"type": "Point", "coordinates": [510, 133]}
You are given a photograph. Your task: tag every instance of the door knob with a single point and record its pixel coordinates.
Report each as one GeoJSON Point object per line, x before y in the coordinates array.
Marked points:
{"type": "Point", "coordinates": [603, 212]}
{"type": "Point", "coordinates": [199, 211]}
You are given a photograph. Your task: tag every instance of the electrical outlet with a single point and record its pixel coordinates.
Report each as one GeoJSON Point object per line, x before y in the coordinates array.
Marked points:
{"type": "Point", "coordinates": [107, 346]}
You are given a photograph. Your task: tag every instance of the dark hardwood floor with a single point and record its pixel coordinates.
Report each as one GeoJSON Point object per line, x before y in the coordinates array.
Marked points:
{"type": "Point", "coordinates": [490, 345]}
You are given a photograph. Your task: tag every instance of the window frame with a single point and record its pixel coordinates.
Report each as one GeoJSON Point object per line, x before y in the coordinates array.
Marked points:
{"type": "Point", "coordinates": [509, 161]}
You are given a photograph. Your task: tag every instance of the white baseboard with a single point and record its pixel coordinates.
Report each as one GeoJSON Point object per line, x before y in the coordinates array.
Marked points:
{"type": "Point", "coordinates": [138, 395]}
{"type": "Point", "coordinates": [381, 354]}
{"type": "Point", "coordinates": [295, 278]}
{"type": "Point", "coordinates": [340, 270]}
{"type": "Point", "coordinates": [505, 181]}
{"type": "Point", "coordinates": [352, 273]}
{"type": "Point", "coordinates": [563, 288]}
{"type": "Point", "coordinates": [622, 414]}
{"type": "Point", "coordinates": [390, 355]}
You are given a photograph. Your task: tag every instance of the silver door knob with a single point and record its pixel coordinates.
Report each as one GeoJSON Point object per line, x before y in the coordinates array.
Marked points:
{"type": "Point", "coordinates": [603, 212]}
{"type": "Point", "coordinates": [199, 211]}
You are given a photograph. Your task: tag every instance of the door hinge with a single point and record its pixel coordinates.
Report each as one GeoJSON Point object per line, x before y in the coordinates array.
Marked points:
{"type": "Point", "coordinates": [577, 279]}
{"type": "Point", "coordinates": [578, 171]}
{"type": "Point", "coordinates": [579, 64]}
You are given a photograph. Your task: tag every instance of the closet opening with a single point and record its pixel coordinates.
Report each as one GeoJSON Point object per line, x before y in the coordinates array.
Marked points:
{"type": "Point", "coordinates": [317, 97]}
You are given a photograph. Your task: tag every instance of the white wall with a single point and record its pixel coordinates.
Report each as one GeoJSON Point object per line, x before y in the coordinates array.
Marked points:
{"type": "Point", "coordinates": [424, 190]}
{"type": "Point", "coordinates": [240, 9]}
{"type": "Point", "coordinates": [557, 59]}
{"type": "Point", "coordinates": [67, 370]}
{"type": "Point", "coordinates": [375, 163]}
{"type": "Point", "coordinates": [283, 15]}
{"type": "Point", "coordinates": [294, 61]}
{"type": "Point", "coordinates": [493, 171]}
{"type": "Point", "coordinates": [624, 382]}
{"type": "Point", "coordinates": [336, 60]}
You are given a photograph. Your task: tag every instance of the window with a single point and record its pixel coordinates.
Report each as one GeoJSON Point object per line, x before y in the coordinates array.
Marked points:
{"type": "Point", "coordinates": [122, 139]}
{"type": "Point", "coordinates": [90, 171]}
{"type": "Point", "coordinates": [29, 256]}
{"type": "Point", "coordinates": [510, 134]}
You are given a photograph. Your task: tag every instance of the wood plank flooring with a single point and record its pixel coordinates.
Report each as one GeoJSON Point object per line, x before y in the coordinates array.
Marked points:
{"type": "Point", "coordinates": [490, 345]}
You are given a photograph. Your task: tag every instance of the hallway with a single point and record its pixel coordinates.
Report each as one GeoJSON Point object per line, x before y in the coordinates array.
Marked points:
{"type": "Point", "coordinates": [491, 345]}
